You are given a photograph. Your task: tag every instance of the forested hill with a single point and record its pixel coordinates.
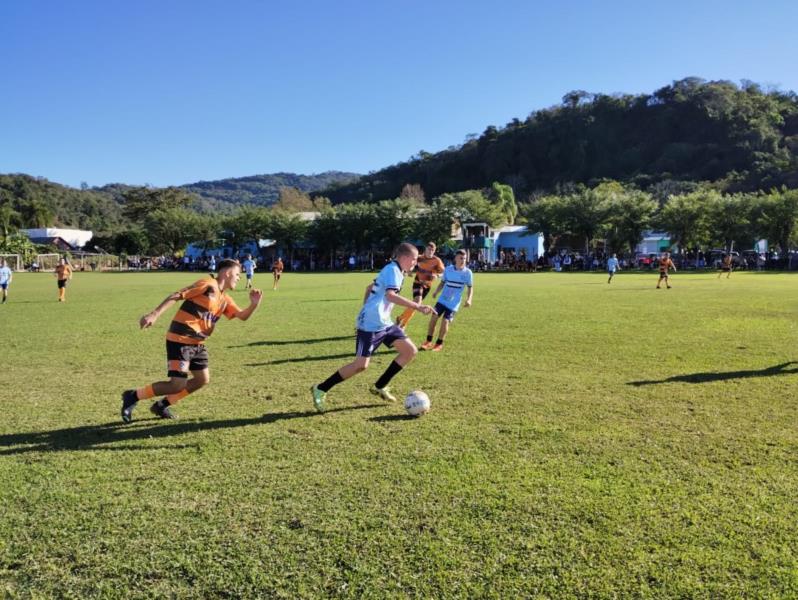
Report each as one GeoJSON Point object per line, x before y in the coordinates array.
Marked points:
{"type": "Point", "coordinates": [265, 189]}
{"type": "Point", "coordinates": [742, 136]}
{"type": "Point", "coordinates": [27, 201]}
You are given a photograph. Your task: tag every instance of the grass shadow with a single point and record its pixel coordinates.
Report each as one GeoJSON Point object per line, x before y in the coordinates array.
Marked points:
{"type": "Point", "coordinates": [283, 361]}
{"type": "Point", "coordinates": [389, 418]}
{"type": "Point", "coordinates": [291, 342]}
{"type": "Point", "coordinates": [118, 436]}
{"type": "Point", "coordinates": [724, 376]}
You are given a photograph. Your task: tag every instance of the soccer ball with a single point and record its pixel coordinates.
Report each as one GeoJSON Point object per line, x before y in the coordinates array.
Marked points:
{"type": "Point", "coordinates": [417, 403]}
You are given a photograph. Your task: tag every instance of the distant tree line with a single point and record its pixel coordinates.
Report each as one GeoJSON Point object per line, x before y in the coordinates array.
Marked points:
{"type": "Point", "coordinates": [700, 218]}
{"type": "Point", "coordinates": [741, 138]}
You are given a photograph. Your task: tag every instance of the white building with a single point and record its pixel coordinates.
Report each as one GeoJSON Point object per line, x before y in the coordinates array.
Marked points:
{"type": "Point", "coordinates": [77, 238]}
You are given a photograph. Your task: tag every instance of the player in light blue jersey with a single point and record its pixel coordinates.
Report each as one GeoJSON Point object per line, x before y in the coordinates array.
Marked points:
{"type": "Point", "coordinates": [248, 267]}
{"type": "Point", "coordinates": [375, 327]}
{"type": "Point", "coordinates": [5, 278]}
{"type": "Point", "coordinates": [455, 279]}
{"type": "Point", "coordinates": [612, 266]}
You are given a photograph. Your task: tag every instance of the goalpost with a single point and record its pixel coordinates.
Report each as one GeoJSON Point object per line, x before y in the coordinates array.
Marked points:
{"type": "Point", "coordinates": [14, 261]}
{"type": "Point", "coordinates": [90, 261]}
{"type": "Point", "coordinates": [47, 262]}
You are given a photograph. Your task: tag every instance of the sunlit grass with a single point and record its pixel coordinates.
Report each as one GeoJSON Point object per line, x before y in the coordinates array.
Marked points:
{"type": "Point", "coordinates": [585, 440]}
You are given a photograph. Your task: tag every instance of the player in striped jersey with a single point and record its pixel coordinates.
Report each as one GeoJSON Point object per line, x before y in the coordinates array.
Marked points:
{"type": "Point", "coordinates": [455, 279]}
{"type": "Point", "coordinates": [665, 264]}
{"type": "Point", "coordinates": [428, 268]}
{"type": "Point", "coordinates": [204, 303]}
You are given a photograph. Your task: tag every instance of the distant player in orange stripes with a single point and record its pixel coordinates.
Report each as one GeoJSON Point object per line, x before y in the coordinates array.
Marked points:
{"type": "Point", "coordinates": [726, 266]}
{"type": "Point", "coordinates": [63, 273]}
{"type": "Point", "coordinates": [204, 303]}
{"type": "Point", "coordinates": [665, 264]}
{"type": "Point", "coordinates": [277, 271]}
{"type": "Point", "coordinates": [428, 268]}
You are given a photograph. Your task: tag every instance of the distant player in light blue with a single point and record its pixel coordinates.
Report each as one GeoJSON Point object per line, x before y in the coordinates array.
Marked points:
{"type": "Point", "coordinates": [5, 278]}
{"type": "Point", "coordinates": [249, 270]}
{"type": "Point", "coordinates": [455, 279]}
{"type": "Point", "coordinates": [612, 266]}
{"type": "Point", "coordinates": [375, 327]}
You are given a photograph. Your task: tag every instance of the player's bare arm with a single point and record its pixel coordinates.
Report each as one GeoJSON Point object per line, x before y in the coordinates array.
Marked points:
{"type": "Point", "coordinates": [395, 298]}
{"type": "Point", "coordinates": [255, 296]}
{"type": "Point", "coordinates": [149, 319]}
{"type": "Point", "coordinates": [470, 297]}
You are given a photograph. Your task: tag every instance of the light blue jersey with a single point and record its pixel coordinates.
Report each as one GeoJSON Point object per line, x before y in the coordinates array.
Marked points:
{"type": "Point", "coordinates": [5, 275]}
{"type": "Point", "coordinates": [376, 312]}
{"type": "Point", "coordinates": [249, 266]}
{"type": "Point", "coordinates": [612, 265]}
{"type": "Point", "coordinates": [454, 282]}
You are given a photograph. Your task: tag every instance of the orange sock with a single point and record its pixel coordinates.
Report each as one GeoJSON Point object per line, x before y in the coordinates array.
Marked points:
{"type": "Point", "coordinates": [175, 398]}
{"type": "Point", "coordinates": [145, 392]}
{"type": "Point", "coordinates": [405, 317]}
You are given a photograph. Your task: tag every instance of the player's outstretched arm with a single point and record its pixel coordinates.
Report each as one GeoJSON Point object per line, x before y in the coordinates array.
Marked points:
{"type": "Point", "coordinates": [255, 296]}
{"type": "Point", "coordinates": [470, 296]}
{"type": "Point", "coordinates": [393, 297]}
{"type": "Point", "coordinates": [438, 289]}
{"type": "Point", "coordinates": [149, 319]}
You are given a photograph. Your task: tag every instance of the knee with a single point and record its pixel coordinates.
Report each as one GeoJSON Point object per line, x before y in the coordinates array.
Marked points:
{"type": "Point", "coordinates": [360, 368]}
{"type": "Point", "coordinates": [178, 384]}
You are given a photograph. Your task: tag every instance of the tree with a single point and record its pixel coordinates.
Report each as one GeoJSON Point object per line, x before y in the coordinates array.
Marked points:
{"type": "Point", "coordinates": [584, 213]}
{"type": "Point", "coordinates": [413, 192]}
{"type": "Point", "coordinates": [434, 223]}
{"type": "Point", "coordinates": [630, 214]}
{"type": "Point", "coordinates": [138, 202]}
{"type": "Point", "coordinates": [779, 217]}
{"type": "Point", "coordinates": [729, 220]}
{"type": "Point", "coordinates": [393, 224]}
{"type": "Point", "coordinates": [247, 224]}
{"type": "Point", "coordinates": [294, 200]}
{"type": "Point", "coordinates": [288, 230]}
{"type": "Point", "coordinates": [684, 218]}
{"type": "Point", "coordinates": [325, 234]}
{"type": "Point", "coordinates": [504, 198]}
{"type": "Point", "coordinates": [544, 216]}
{"type": "Point", "coordinates": [10, 220]}
{"type": "Point", "coordinates": [171, 229]}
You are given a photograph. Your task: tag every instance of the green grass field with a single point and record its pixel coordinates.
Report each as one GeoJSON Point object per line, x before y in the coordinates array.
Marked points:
{"type": "Point", "coordinates": [585, 440]}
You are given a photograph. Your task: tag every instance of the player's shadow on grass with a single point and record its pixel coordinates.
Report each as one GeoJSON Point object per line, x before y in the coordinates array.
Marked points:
{"type": "Point", "coordinates": [292, 342]}
{"type": "Point", "coordinates": [389, 418]}
{"type": "Point", "coordinates": [716, 376]}
{"type": "Point", "coordinates": [118, 436]}
{"type": "Point", "coordinates": [283, 361]}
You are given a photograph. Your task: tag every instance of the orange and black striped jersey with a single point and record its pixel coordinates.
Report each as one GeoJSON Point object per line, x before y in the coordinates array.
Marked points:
{"type": "Point", "coordinates": [203, 304]}
{"type": "Point", "coordinates": [727, 261]}
{"type": "Point", "coordinates": [278, 266]}
{"type": "Point", "coordinates": [427, 269]}
{"type": "Point", "coordinates": [63, 272]}
{"type": "Point", "coordinates": [665, 264]}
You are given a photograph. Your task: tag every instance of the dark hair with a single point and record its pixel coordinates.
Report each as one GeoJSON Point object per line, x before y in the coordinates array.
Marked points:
{"type": "Point", "coordinates": [406, 249]}
{"type": "Point", "coordinates": [461, 252]}
{"type": "Point", "coordinates": [228, 263]}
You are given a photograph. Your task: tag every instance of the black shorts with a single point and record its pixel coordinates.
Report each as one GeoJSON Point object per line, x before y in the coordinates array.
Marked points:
{"type": "Point", "coordinates": [62, 283]}
{"type": "Point", "coordinates": [663, 274]}
{"type": "Point", "coordinates": [182, 358]}
{"type": "Point", "coordinates": [367, 342]}
{"type": "Point", "coordinates": [419, 289]}
{"type": "Point", "coordinates": [725, 269]}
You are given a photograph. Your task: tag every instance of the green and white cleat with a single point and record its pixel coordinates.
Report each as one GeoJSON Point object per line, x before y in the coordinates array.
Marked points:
{"type": "Point", "coordinates": [384, 393]}
{"type": "Point", "coordinates": [318, 398]}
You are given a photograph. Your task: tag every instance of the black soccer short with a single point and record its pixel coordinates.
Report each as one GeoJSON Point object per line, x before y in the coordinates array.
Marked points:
{"type": "Point", "coordinates": [663, 274]}
{"type": "Point", "coordinates": [182, 358]}
{"type": "Point", "coordinates": [62, 283]}
{"type": "Point", "coordinates": [419, 289]}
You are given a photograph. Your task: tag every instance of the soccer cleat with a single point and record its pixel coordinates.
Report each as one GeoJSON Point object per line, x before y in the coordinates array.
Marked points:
{"type": "Point", "coordinates": [129, 401]}
{"type": "Point", "coordinates": [384, 393]}
{"type": "Point", "coordinates": [437, 347]}
{"type": "Point", "coordinates": [161, 409]}
{"type": "Point", "coordinates": [319, 397]}
{"type": "Point", "coordinates": [426, 346]}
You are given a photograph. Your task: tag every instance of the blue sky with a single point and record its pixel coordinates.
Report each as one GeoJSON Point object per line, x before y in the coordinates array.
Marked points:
{"type": "Point", "coordinates": [174, 91]}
